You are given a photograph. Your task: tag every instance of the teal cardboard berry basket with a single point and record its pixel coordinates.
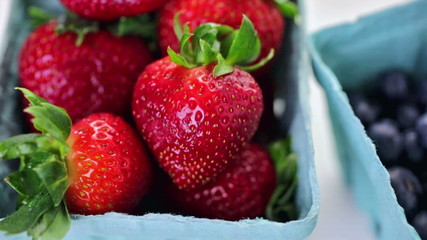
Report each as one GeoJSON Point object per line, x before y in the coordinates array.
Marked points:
{"type": "Point", "coordinates": [114, 226]}
{"type": "Point", "coordinates": [347, 57]}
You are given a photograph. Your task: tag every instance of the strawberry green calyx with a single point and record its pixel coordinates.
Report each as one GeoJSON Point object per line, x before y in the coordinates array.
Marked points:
{"type": "Point", "coordinates": [144, 26]}
{"type": "Point", "coordinates": [67, 22]}
{"type": "Point", "coordinates": [42, 179]}
{"type": "Point", "coordinates": [72, 23]}
{"type": "Point", "coordinates": [289, 9]}
{"type": "Point", "coordinates": [281, 206]}
{"type": "Point", "coordinates": [39, 16]}
{"type": "Point", "coordinates": [221, 45]}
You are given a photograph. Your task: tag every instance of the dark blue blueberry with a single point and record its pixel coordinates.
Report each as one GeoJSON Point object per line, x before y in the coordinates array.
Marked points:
{"type": "Point", "coordinates": [420, 224]}
{"type": "Point", "coordinates": [407, 188]}
{"type": "Point", "coordinates": [394, 84]}
{"type": "Point", "coordinates": [414, 151]}
{"type": "Point", "coordinates": [422, 92]}
{"type": "Point", "coordinates": [387, 138]}
{"type": "Point", "coordinates": [423, 178]}
{"type": "Point", "coordinates": [365, 110]}
{"type": "Point", "coordinates": [407, 115]}
{"type": "Point", "coordinates": [421, 128]}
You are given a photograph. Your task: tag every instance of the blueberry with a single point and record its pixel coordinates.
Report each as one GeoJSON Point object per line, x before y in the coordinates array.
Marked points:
{"type": "Point", "coordinates": [387, 138]}
{"type": "Point", "coordinates": [420, 224]}
{"type": "Point", "coordinates": [407, 188]}
{"type": "Point", "coordinates": [394, 84]}
{"type": "Point", "coordinates": [414, 151]}
{"type": "Point", "coordinates": [365, 110]}
{"type": "Point", "coordinates": [421, 128]}
{"type": "Point", "coordinates": [407, 115]}
{"type": "Point", "coordinates": [422, 92]}
{"type": "Point", "coordinates": [423, 178]}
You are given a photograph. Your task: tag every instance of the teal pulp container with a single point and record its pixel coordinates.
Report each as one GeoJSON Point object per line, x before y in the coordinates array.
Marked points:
{"type": "Point", "coordinates": [350, 56]}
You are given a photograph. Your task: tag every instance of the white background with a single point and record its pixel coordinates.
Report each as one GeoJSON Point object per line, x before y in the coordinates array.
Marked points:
{"type": "Point", "coordinates": [339, 219]}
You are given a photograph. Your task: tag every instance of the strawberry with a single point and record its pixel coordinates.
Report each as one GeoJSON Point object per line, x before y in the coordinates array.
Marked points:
{"type": "Point", "coordinates": [96, 76]}
{"type": "Point", "coordinates": [111, 10]}
{"type": "Point", "coordinates": [241, 191]}
{"type": "Point", "coordinates": [100, 167]}
{"type": "Point", "coordinates": [108, 167]}
{"type": "Point", "coordinates": [264, 14]}
{"type": "Point", "coordinates": [195, 109]}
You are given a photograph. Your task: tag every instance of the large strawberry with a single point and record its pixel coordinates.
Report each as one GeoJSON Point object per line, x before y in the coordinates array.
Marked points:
{"type": "Point", "coordinates": [111, 10]}
{"type": "Point", "coordinates": [100, 166]}
{"type": "Point", "coordinates": [265, 15]}
{"type": "Point", "coordinates": [83, 74]}
{"type": "Point", "coordinates": [241, 191]}
{"type": "Point", "coordinates": [197, 110]}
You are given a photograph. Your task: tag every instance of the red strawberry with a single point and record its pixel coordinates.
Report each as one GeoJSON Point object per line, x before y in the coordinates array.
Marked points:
{"type": "Point", "coordinates": [194, 121]}
{"type": "Point", "coordinates": [264, 14]}
{"type": "Point", "coordinates": [196, 118]}
{"type": "Point", "coordinates": [97, 76]}
{"type": "Point", "coordinates": [108, 166]}
{"type": "Point", "coordinates": [98, 165]}
{"type": "Point", "coordinates": [241, 191]}
{"type": "Point", "coordinates": [111, 10]}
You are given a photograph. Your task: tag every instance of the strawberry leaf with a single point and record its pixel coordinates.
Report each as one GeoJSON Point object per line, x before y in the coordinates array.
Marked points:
{"type": "Point", "coordinates": [143, 26]}
{"type": "Point", "coordinates": [177, 58]}
{"type": "Point", "coordinates": [177, 26]}
{"type": "Point", "coordinates": [54, 224]}
{"type": "Point", "coordinates": [32, 97]}
{"type": "Point", "coordinates": [186, 48]}
{"type": "Point", "coordinates": [211, 42]}
{"type": "Point", "coordinates": [207, 32]}
{"type": "Point", "coordinates": [11, 147]}
{"type": "Point", "coordinates": [209, 54]}
{"type": "Point", "coordinates": [25, 217]}
{"type": "Point", "coordinates": [42, 179]}
{"type": "Point", "coordinates": [26, 182]}
{"type": "Point", "coordinates": [53, 174]}
{"type": "Point", "coordinates": [226, 43]}
{"type": "Point", "coordinates": [246, 45]}
{"type": "Point", "coordinates": [281, 206]}
{"type": "Point", "coordinates": [288, 8]}
{"type": "Point", "coordinates": [48, 118]}
{"type": "Point", "coordinates": [222, 67]}
{"type": "Point", "coordinates": [261, 63]}
{"type": "Point", "coordinates": [42, 172]}
{"type": "Point", "coordinates": [39, 16]}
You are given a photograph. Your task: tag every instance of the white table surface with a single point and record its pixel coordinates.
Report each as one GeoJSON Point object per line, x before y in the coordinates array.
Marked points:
{"type": "Point", "coordinates": [339, 219]}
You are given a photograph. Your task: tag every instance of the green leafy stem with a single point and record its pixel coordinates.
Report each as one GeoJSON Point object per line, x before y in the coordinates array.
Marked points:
{"type": "Point", "coordinates": [281, 206]}
{"type": "Point", "coordinates": [42, 179]}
